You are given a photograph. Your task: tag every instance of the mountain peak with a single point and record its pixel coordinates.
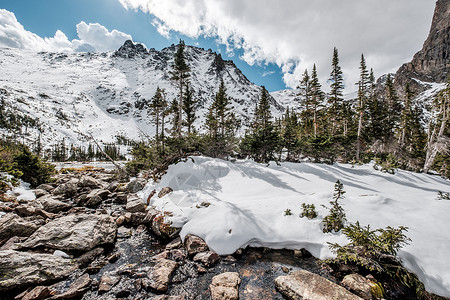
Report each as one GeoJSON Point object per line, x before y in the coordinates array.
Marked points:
{"type": "Point", "coordinates": [131, 50]}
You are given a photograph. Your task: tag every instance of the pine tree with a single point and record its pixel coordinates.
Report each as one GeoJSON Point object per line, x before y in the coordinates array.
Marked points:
{"type": "Point", "coordinates": [305, 94]}
{"type": "Point", "coordinates": [406, 116]}
{"type": "Point", "coordinates": [180, 74]}
{"type": "Point", "coordinates": [363, 91]}
{"type": "Point", "coordinates": [393, 108]}
{"type": "Point", "coordinates": [189, 108]}
{"type": "Point", "coordinates": [289, 133]}
{"type": "Point", "coordinates": [157, 107]}
{"type": "Point", "coordinates": [336, 99]}
{"type": "Point", "coordinates": [317, 97]}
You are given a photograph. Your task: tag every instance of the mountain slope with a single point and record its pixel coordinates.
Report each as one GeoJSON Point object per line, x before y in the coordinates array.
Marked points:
{"type": "Point", "coordinates": [105, 94]}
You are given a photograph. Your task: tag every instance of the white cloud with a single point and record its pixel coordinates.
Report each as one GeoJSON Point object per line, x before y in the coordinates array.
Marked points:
{"type": "Point", "coordinates": [296, 33]}
{"type": "Point", "coordinates": [92, 37]}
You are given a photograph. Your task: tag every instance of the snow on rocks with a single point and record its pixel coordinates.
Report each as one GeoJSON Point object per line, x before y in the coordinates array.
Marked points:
{"type": "Point", "coordinates": [248, 200]}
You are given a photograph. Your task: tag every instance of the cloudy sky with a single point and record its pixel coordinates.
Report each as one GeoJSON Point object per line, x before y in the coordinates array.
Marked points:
{"type": "Point", "coordinates": [272, 42]}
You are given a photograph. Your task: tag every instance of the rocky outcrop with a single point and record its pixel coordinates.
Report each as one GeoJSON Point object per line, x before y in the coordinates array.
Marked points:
{"type": "Point", "coordinates": [131, 50]}
{"type": "Point", "coordinates": [362, 286]}
{"type": "Point", "coordinates": [309, 286]}
{"type": "Point", "coordinates": [80, 232]}
{"type": "Point", "coordinates": [432, 63]}
{"type": "Point", "coordinates": [13, 225]}
{"type": "Point", "coordinates": [21, 268]}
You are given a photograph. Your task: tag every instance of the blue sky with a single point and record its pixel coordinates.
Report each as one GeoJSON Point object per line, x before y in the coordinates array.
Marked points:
{"type": "Point", "coordinates": [44, 18]}
{"type": "Point", "coordinates": [272, 42]}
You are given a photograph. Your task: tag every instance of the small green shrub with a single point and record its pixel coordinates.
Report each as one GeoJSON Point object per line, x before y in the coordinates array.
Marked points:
{"type": "Point", "coordinates": [443, 196]}
{"type": "Point", "coordinates": [309, 211]}
{"type": "Point", "coordinates": [288, 212]}
{"type": "Point", "coordinates": [336, 218]}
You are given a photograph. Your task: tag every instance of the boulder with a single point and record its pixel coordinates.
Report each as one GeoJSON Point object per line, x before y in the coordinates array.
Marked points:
{"type": "Point", "coordinates": [160, 277]}
{"type": "Point", "coordinates": [67, 189]}
{"type": "Point", "coordinates": [46, 187]}
{"type": "Point", "coordinates": [13, 225]}
{"type": "Point", "coordinates": [38, 293]}
{"type": "Point", "coordinates": [136, 185]}
{"type": "Point", "coordinates": [52, 205]}
{"type": "Point", "coordinates": [135, 204]}
{"type": "Point", "coordinates": [80, 232]}
{"type": "Point", "coordinates": [165, 191]}
{"type": "Point", "coordinates": [163, 229]}
{"type": "Point", "coordinates": [107, 282]}
{"type": "Point", "coordinates": [91, 182]}
{"type": "Point", "coordinates": [225, 286]}
{"type": "Point", "coordinates": [95, 197]}
{"type": "Point", "coordinates": [11, 244]}
{"type": "Point", "coordinates": [18, 269]}
{"type": "Point", "coordinates": [195, 244]}
{"type": "Point", "coordinates": [305, 285]}
{"type": "Point", "coordinates": [362, 286]}
{"type": "Point", "coordinates": [39, 193]}
{"type": "Point", "coordinates": [76, 289]}
{"type": "Point", "coordinates": [208, 258]}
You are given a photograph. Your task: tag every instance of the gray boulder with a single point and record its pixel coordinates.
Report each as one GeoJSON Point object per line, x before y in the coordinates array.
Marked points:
{"type": "Point", "coordinates": [136, 185]}
{"type": "Point", "coordinates": [225, 286]}
{"type": "Point", "coordinates": [81, 232]}
{"type": "Point", "coordinates": [50, 204]}
{"type": "Point", "coordinates": [135, 204]}
{"type": "Point", "coordinates": [13, 225]}
{"type": "Point", "coordinates": [95, 197]}
{"type": "Point", "coordinates": [67, 189]}
{"type": "Point", "coordinates": [18, 269]}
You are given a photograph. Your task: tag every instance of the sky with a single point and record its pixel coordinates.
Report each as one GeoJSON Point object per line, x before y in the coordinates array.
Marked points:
{"type": "Point", "coordinates": [272, 42]}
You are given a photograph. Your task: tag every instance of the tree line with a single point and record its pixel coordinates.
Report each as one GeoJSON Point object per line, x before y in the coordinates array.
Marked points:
{"type": "Point", "coordinates": [379, 124]}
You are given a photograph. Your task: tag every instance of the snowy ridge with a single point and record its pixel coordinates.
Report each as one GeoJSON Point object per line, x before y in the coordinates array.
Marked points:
{"type": "Point", "coordinates": [248, 200]}
{"type": "Point", "coordinates": [104, 94]}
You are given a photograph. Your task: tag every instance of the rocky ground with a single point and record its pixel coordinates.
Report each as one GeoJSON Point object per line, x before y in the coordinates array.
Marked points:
{"type": "Point", "coordinates": [89, 236]}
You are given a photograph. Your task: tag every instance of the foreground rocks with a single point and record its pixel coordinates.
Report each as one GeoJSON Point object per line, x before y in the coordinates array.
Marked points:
{"type": "Point", "coordinates": [225, 286]}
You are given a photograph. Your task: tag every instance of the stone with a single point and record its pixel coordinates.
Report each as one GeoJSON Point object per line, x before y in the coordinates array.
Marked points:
{"type": "Point", "coordinates": [137, 218]}
{"type": "Point", "coordinates": [176, 243]}
{"type": "Point", "coordinates": [208, 258]}
{"type": "Point", "coordinates": [18, 269]}
{"type": "Point", "coordinates": [38, 293]}
{"type": "Point", "coordinates": [39, 193]}
{"type": "Point", "coordinates": [112, 187]}
{"type": "Point", "coordinates": [13, 225]}
{"type": "Point", "coordinates": [177, 254]}
{"type": "Point", "coordinates": [225, 286]}
{"type": "Point", "coordinates": [163, 229]}
{"type": "Point", "coordinates": [67, 189]}
{"type": "Point", "coordinates": [194, 244]}
{"type": "Point", "coordinates": [52, 205]}
{"type": "Point", "coordinates": [136, 185]}
{"type": "Point", "coordinates": [149, 198]}
{"type": "Point", "coordinates": [121, 198]}
{"type": "Point", "coordinates": [107, 282]}
{"type": "Point", "coordinates": [165, 297]}
{"type": "Point", "coordinates": [61, 254]}
{"type": "Point", "coordinates": [360, 285]}
{"type": "Point", "coordinates": [135, 204]}
{"type": "Point", "coordinates": [120, 220]}
{"type": "Point", "coordinates": [88, 181]}
{"type": "Point", "coordinates": [88, 257]}
{"type": "Point", "coordinates": [95, 197]}
{"type": "Point", "coordinates": [160, 277]}
{"type": "Point", "coordinates": [46, 187]}
{"type": "Point", "coordinates": [76, 289]}
{"type": "Point", "coordinates": [302, 284]}
{"type": "Point", "coordinates": [165, 191]}
{"type": "Point", "coordinates": [81, 232]}
{"type": "Point", "coordinates": [11, 244]}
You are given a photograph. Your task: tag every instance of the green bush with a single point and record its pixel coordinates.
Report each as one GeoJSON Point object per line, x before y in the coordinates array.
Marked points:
{"type": "Point", "coordinates": [309, 211]}
{"type": "Point", "coordinates": [334, 221]}
{"type": "Point", "coordinates": [288, 212]}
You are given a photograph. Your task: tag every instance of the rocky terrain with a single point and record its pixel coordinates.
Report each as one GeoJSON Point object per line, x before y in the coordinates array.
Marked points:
{"type": "Point", "coordinates": [89, 236]}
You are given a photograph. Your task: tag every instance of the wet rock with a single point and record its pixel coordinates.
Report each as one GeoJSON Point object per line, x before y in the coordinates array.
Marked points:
{"type": "Point", "coordinates": [135, 204]}
{"type": "Point", "coordinates": [91, 182]}
{"type": "Point", "coordinates": [112, 187]}
{"type": "Point", "coordinates": [120, 220]}
{"type": "Point", "coordinates": [67, 189]}
{"type": "Point", "coordinates": [38, 293]}
{"type": "Point", "coordinates": [95, 197]}
{"type": "Point", "coordinates": [137, 218]}
{"type": "Point", "coordinates": [225, 286]}
{"type": "Point", "coordinates": [88, 257]}
{"type": "Point", "coordinates": [165, 191]}
{"type": "Point", "coordinates": [136, 185]}
{"type": "Point", "coordinates": [81, 232]}
{"type": "Point", "coordinates": [360, 286]}
{"type": "Point", "coordinates": [160, 277]}
{"type": "Point", "coordinates": [184, 272]}
{"type": "Point", "coordinates": [23, 268]}
{"type": "Point", "coordinates": [39, 193]}
{"type": "Point", "coordinates": [52, 205]}
{"type": "Point", "coordinates": [302, 284]}
{"type": "Point", "coordinates": [163, 229]}
{"type": "Point", "coordinates": [121, 198]}
{"type": "Point", "coordinates": [195, 244]}
{"type": "Point", "coordinates": [177, 255]}
{"type": "Point", "coordinates": [176, 243]}
{"type": "Point", "coordinates": [13, 225]}
{"type": "Point", "coordinates": [107, 282]}
{"type": "Point", "coordinates": [46, 187]}
{"type": "Point", "coordinates": [76, 289]}
{"type": "Point", "coordinates": [208, 258]}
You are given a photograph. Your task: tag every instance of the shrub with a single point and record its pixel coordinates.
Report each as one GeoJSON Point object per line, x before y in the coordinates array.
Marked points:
{"type": "Point", "coordinates": [309, 211]}
{"type": "Point", "coordinates": [288, 212]}
{"type": "Point", "coordinates": [336, 218]}
{"type": "Point", "coordinates": [443, 196]}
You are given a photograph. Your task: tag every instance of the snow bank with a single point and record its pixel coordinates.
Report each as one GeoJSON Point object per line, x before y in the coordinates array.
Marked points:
{"type": "Point", "coordinates": [247, 202]}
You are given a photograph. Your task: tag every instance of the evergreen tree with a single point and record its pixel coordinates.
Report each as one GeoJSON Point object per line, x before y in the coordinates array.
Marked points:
{"type": "Point", "coordinates": [393, 108]}
{"type": "Point", "coordinates": [189, 108]}
{"type": "Point", "coordinates": [157, 107]}
{"type": "Point", "coordinates": [363, 90]}
{"type": "Point", "coordinates": [336, 99]}
{"type": "Point", "coordinates": [289, 133]}
{"type": "Point", "coordinates": [406, 116]}
{"type": "Point", "coordinates": [305, 94]}
{"type": "Point", "coordinates": [180, 74]}
{"type": "Point", "coordinates": [317, 97]}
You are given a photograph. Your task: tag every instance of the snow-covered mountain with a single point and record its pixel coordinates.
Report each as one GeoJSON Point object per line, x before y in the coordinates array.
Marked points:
{"type": "Point", "coordinates": [72, 94]}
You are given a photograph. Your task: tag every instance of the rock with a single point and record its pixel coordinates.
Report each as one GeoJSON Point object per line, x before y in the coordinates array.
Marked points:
{"type": "Point", "coordinates": [18, 269]}
{"type": "Point", "coordinates": [76, 289]}
{"type": "Point", "coordinates": [13, 225]}
{"type": "Point", "coordinates": [135, 204]}
{"type": "Point", "coordinates": [52, 205]}
{"type": "Point", "coordinates": [194, 244]}
{"type": "Point", "coordinates": [38, 293]}
{"type": "Point", "coordinates": [165, 297]}
{"type": "Point", "coordinates": [131, 50]}
{"type": "Point", "coordinates": [165, 191]}
{"type": "Point", "coordinates": [160, 277]}
{"type": "Point", "coordinates": [67, 189]}
{"type": "Point", "coordinates": [149, 198]}
{"type": "Point", "coordinates": [46, 187]}
{"type": "Point", "coordinates": [39, 193]}
{"type": "Point", "coordinates": [120, 220]}
{"type": "Point", "coordinates": [302, 284]}
{"type": "Point", "coordinates": [81, 232]}
{"type": "Point", "coordinates": [11, 244]}
{"type": "Point", "coordinates": [112, 187]}
{"type": "Point", "coordinates": [225, 286]}
{"type": "Point", "coordinates": [136, 185]}
{"type": "Point", "coordinates": [61, 254]}
{"type": "Point", "coordinates": [163, 229]}
{"type": "Point", "coordinates": [121, 198]}
{"type": "Point", "coordinates": [177, 255]}
{"type": "Point", "coordinates": [88, 257]}
{"type": "Point", "coordinates": [176, 243]}
{"type": "Point", "coordinates": [361, 286]}
{"type": "Point", "coordinates": [107, 282]}
{"type": "Point", "coordinates": [88, 181]}
{"type": "Point", "coordinates": [95, 197]}
{"type": "Point", "coordinates": [208, 258]}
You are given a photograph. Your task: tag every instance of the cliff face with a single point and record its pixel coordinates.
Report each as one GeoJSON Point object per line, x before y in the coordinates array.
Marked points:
{"type": "Point", "coordinates": [432, 63]}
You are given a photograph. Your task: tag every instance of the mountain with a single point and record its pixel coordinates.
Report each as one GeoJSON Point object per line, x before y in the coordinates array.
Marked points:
{"type": "Point", "coordinates": [51, 96]}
